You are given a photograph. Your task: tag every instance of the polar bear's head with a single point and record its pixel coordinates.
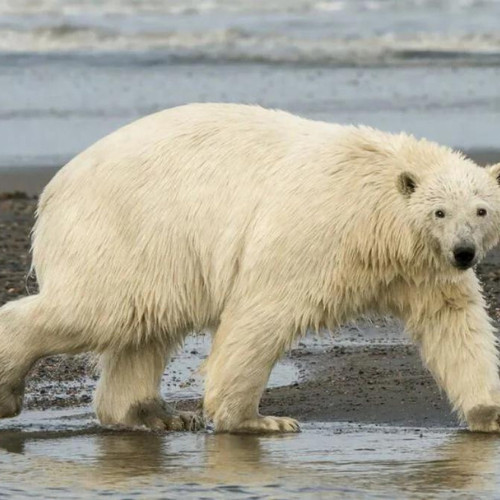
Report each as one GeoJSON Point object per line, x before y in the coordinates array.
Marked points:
{"type": "Point", "coordinates": [457, 207]}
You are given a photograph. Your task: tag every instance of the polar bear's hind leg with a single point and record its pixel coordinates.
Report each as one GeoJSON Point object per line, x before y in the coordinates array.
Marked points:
{"type": "Point", "coordinates": [128, 392]}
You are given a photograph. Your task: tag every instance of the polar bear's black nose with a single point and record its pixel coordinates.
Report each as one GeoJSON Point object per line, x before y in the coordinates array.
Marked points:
{"type": "Point", "coordinates": [464, 256]}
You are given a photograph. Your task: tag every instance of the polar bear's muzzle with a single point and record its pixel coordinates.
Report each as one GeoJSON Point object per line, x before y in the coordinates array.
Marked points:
{"type": "Point", "coordinates": [464, 256]}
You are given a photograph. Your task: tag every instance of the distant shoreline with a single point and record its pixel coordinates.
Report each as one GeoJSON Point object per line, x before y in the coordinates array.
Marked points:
{"type": "Point", "coordinates": [29, 180]}
{"type": "Point", "coordinates": [32, 179]}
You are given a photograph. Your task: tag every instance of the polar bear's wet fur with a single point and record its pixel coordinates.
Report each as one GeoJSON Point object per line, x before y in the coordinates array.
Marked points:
{"type": "Point", "coordinates": [258, 225]}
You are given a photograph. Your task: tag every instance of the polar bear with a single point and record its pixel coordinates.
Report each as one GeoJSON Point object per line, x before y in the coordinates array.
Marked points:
{"type": "Point", "coordinates": [259, 225]}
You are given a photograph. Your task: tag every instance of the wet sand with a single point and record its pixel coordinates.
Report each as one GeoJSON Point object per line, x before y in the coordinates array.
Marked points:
{"type": "Point", "coordinates": [355, 378]}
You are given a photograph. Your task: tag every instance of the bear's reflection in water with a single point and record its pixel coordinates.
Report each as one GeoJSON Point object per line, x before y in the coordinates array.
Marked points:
{"type": "Point", "coordinates": [325, 460]}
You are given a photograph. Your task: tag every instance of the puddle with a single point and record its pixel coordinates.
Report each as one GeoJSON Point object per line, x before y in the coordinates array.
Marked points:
{"type": "Point", "coordinates": [64, 454]}
{"type": "Point", "coordinates": [181, 380]}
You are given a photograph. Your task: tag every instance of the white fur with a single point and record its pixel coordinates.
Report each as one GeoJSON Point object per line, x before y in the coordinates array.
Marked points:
{"type": "Point", "coordinates": [259, 225]}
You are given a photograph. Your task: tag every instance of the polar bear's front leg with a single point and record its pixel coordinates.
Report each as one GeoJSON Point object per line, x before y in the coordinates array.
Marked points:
{"type": "Point", "coordinates": [128, 392]}
{"type": "Point", "coordinates": [246, 347]}
{"type": "Point", "coordinates": [458, 345]}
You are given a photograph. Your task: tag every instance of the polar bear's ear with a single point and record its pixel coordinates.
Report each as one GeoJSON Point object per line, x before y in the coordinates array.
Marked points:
{"type": "Point", "coordinates": [494, 171]}
{"type": "Point", "coordinates": [407, 183]}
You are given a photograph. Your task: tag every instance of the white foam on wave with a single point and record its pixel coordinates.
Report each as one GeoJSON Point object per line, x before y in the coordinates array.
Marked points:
{"type": "Point", "coordinates": [127, 7]}
{"type": "Point", "coordinates": [241, 45]}
{"type": "Point", "coordinates": [330, 6]}
{"type": "Point", "coordinates": [329, 32]}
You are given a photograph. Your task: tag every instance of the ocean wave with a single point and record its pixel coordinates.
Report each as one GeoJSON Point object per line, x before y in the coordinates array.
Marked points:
{"type": "Point", "coordinates": [236, 45]}
{"type": "Point", "coordinates": [175, 7]}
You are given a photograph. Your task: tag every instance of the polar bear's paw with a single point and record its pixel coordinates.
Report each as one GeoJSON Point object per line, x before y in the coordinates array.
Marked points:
{"type": "Point", "coordinates": [266, 425]}
{"type": "Point", "coordinates": [484, 418]}
{"type": "Point", "coordinates": [157, 415]}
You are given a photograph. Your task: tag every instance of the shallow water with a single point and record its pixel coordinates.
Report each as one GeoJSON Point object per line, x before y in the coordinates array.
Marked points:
{"type": "Point", "coordinates": [64, 454]}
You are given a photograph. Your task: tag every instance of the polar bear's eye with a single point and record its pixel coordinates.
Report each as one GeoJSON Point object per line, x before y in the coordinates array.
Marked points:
{"type": "Point", "coordinates": [481, 212]}
{"type": "Point", "coordinates": [439, 213]}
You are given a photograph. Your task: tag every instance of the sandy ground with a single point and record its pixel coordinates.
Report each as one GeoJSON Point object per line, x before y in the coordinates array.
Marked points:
{"type": "Point", "coordinates": [355, 383]}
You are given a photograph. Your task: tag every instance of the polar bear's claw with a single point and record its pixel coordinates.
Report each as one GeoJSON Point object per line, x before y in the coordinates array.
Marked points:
{"type": "Point", "coordinates": [267, 425]}
{"type": "Point", "coordinates": [192, 421]}
{"type": "Point", "coordinates": [159, 416]}
{"type": "Point", "coordinates": [179, 421]}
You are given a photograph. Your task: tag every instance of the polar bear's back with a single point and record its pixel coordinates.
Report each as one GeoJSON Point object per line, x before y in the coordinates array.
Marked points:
{"type": "Point", "coordinates": [168, 202]}
{"type": "Point", "coordinates": [187, 152]}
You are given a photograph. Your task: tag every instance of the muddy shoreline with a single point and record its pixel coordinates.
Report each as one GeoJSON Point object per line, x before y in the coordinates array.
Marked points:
{"type": "Point", "coordinates": [369, 382]}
